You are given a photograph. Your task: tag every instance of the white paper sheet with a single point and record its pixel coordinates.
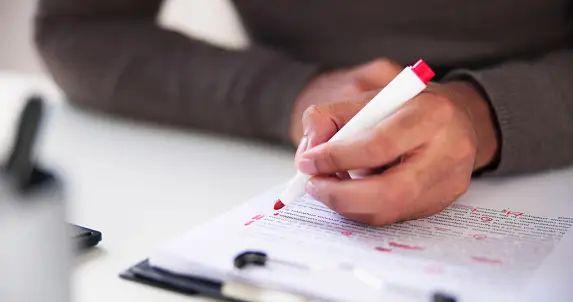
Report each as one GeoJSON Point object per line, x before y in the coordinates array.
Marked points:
{"type": "Point", "coordinates": [470, 250]}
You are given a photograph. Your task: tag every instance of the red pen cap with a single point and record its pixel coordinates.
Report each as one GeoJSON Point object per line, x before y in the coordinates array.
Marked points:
{"type": "Point", "coordinates": [423, 71]}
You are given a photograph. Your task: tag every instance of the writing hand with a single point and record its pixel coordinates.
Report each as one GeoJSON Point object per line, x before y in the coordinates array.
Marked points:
{"type": "Point", "coordinates": [420, 159]}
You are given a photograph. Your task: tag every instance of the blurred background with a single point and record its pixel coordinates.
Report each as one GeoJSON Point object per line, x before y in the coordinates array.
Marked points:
{"type": "Point", "coordinates": [216, 22]}
{"type": "Point", "coordinates": [92, 185]}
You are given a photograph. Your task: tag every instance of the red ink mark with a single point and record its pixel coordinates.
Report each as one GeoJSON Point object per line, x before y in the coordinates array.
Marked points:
{"type": "Point", "coordinates": [479, 236]}
{"type": "Point", "coordinates": [346, 233]}
{"type": "Point", "coordinates": [406, 246]}
{"type": "Point", "coordinates": [486, 219]}
{"type": "Point", "coordinates": [257, 217]}
{"type": "Point", "coordinates": [514, 213]}
{"type": "Point", "coordinates": [276, 214]}
{"type": "Point", "coordinates": [474, 211]}
{"type": "Point", "coordinates": [254, 218]}
{"type": "Point", "coordinates": [486, 260]}
{"type": "Point", "coordinates": [383, 249]}
{"type": "Point", "coordinates": [278, 205]}
{"type": "Point", "coordinates": [441, 229]}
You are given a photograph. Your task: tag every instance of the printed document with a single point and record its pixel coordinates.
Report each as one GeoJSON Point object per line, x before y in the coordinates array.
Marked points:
{"type": "Point", "coordinates": [470, 250]}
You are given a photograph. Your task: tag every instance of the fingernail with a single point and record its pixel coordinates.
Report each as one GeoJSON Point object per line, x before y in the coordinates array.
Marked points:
{"type": "Point", "coordinates": [303, 145]}
{"type": "Point", "coordinates": [311, 189]}
{"type": "Point", "coordinates": [307, 166]}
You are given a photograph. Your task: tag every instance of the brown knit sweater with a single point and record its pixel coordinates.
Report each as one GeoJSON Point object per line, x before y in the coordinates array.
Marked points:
{"type": "Point", "coordinates": [112, 55]}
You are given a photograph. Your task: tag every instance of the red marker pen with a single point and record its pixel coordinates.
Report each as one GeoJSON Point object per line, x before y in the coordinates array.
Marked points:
{"type": "Point", "coordinates": [405, 86]}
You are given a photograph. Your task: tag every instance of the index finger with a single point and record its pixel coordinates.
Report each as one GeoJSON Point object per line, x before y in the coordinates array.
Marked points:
{"type": "Point", "coordinates": [321, 122]}
{"type": "Point", "coordinates": [404, 131]}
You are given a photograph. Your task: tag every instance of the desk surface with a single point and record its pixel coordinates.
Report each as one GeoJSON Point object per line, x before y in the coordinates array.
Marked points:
{"type": "Point", "coordinates": [140, 184]}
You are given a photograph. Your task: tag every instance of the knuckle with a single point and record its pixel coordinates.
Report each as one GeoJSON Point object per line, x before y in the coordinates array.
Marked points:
{"type": "Point", "coordinates": [310, 112]}
{"type": "Point", "coordinates": [311, 117]}
{"type": "Point", "coordinates": [385, 63]}
{"type": "Point", "coordinates": [354, 86]}
{"type": "Point", "coordinates": [335, 202]}
{"type": "Point", "coordinates": [379, 146]}
{"type": "Point", "coordinates": [466, 149]}
{"type": "Point", "coordinates": [444, 108]}
{"type": "Point", "coordinates": [372, 149]}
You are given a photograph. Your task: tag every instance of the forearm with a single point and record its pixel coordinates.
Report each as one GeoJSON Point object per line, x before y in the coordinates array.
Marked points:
{"type": "Point", "coordinates": [122, 62]}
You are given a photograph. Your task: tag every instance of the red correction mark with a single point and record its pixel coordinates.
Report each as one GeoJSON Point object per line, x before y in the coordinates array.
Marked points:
{"type": "Point", "coordinates": [486, 260]}
{"type": "Point", "coordinates": [383, 249]}
{"type": "Point", "coordinates": [276, 214]}
{"type": "Point", "coordinates": [479, 236]}
{"type": "Point", "coordinates": [346, 233]}
{"type": "Point", "coordinates": [486, 219]}
{"type": "Point", "coordinates": [254, 218]}
{"type": "Point", "coordinates": [474, 211]}
{"type": "Point", "coordinates": [257, 217]}
{"type": "Point", "coordinates": [406, 246]}
{"type": "Point", "coordinates": [514, 213]}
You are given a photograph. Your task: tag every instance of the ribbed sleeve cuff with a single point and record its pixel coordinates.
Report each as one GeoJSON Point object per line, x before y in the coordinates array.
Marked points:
{"type": "Point", "coordinates": [517, 96]}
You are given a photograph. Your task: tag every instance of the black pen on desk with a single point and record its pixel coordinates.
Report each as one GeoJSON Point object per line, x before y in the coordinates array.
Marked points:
{"type": "Point", "coordinates": [20, 164]}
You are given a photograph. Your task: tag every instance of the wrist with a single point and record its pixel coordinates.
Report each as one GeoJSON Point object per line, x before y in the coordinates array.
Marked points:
{"type": "Point", "coordinates": [482, 118]}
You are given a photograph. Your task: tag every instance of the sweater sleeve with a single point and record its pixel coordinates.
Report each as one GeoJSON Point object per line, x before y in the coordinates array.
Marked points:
{"type": "Point", "coordinates": [111, 55]}
{"type": "Point", "coordinates": [533, 102]}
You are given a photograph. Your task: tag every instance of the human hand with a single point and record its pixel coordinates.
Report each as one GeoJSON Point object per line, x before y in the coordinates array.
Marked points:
{"type": "Point", "coordinates": [420, 159]}
{"type": "Point", "coordinates": [339, 85]}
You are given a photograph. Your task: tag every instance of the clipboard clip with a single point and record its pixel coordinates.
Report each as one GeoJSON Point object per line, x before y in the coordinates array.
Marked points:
{"type": "Point", "coordinates": [260, 259]}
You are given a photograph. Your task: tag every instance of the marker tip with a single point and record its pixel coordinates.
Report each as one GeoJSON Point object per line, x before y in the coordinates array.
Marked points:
{"type": "Point", "coordinates": [278, 205]}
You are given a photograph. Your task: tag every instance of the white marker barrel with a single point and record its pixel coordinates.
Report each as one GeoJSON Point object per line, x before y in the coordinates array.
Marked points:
{"type": "Point", "coordinates": [405, 86]}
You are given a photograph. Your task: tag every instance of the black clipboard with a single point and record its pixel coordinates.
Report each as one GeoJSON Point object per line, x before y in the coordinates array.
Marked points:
{"type": "Point", "coordinates": [144, 273]}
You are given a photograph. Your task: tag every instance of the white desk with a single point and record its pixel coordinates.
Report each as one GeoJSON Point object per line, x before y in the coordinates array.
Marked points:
{"type": "Point", "coordinates": [141, 184]}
